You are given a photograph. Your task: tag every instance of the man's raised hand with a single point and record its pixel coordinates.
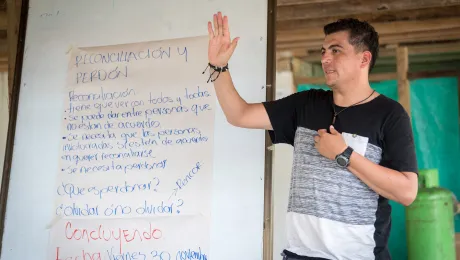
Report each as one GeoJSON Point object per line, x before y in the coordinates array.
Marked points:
{"type": "Point", "coordinates": [220, 47]}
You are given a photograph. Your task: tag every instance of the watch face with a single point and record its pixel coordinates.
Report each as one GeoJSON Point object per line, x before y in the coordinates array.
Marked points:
{"type": "Point", "coordinates": [341, 161]}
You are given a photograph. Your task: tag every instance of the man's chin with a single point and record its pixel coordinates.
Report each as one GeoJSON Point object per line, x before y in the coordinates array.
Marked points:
{"type": "Point", "coordinates": [331, 83]}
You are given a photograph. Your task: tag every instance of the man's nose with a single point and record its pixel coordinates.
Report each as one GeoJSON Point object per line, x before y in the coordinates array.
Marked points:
{"type": "Point", "coordinates": [326, 58]}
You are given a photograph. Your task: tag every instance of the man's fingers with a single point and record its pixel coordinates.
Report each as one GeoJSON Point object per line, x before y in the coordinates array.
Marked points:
{"type": "Point", "coordinates": [316, 138]}
{"type": "Point", "coordinates": [226, 31]}
{"type": "Point", "coordinates": [220, 31]}
{"type": "Point", "coordinates": [333, 131]}
{"type": "Point", "coordinates": [322, 132]}
{"type": "Point", "coordinates": [210, 31]}
{"type": "Point", "coordinates": [317, 146]}
{"type": "Point", "coordinates": [233, 46]}
{"type": "Point", "coordinates": [216, 27]}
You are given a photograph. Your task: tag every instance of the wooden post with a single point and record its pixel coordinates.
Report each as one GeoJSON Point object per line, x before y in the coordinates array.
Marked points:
{"type": "Point", "coordinates": [458, 93]}
{"type": "Point", "coordinates": [301, 69]}
{"type": "Point", "coordinates": [267, 250]}
{"type": "Point", "coordinates": [13, 16]}
{"type": "Point", "coordinates": [294, 70]}
{"type": "Point", "coordinates": [402, 59]}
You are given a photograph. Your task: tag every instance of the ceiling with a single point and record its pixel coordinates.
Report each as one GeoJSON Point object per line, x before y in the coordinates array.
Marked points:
{"type": "Point", "coordinates": [430, 29]}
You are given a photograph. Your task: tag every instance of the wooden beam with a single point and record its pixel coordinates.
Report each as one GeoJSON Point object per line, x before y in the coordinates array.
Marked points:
{"type": "Point", "coordinates": [433, 74]}
{"type": "Point", "coordinates": [13, 112]}
{"type": "Point", "coordinates": [373, 18]}
{"type": "Point", "coordinates": [299, 67]}
{"type": "Point", "coordinates": [422, 59]}
{"type": "Point", "coordinates": [383, 29]}
{"type": "Point", "coordinates": [402, 65]}
{"type": "Point", "coordinates": [283, 65]}
{"type": "Point", "coordinates": [458, 94]}
{"type": "Point", "coordinates": [314, 43]}
{"type": "Point", "coordinates": [3, 55]}
{"type": "Point", "coordinates": [3, 66]}
{"type": "Point", "coordinates": [322, 80]}
{"type": "Point", "coordinates": [355, 7]}
{"type": "Point", "coordinates": [13, 17]}
{"type": "Point", "coordinates": [295, 84]}
{"type": "Point", "coordinates": [270, 94]}
{"type": "Point", "coordinates": [302, 2]}
{"type": "Point", "coordinates": [3, 48]}
{"type": "Point", "coordinates": [386, 76]}
{"type": "Point", "coordinates": [3, 20]}
{"type": "Point", "coordinates": [435, 48]}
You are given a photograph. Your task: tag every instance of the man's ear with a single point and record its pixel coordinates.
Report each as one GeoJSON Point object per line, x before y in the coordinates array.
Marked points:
{"type": "Point", "coordinates": [366, 59]}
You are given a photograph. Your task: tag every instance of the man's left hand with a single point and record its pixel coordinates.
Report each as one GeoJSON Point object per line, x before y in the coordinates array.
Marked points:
{"type": "Point", "coordinates": [330, 145]}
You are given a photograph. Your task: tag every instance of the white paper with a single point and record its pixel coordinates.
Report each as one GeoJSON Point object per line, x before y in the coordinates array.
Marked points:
{"type": "Point", "coordinates": [137, 144]}
{"type": "Point", "coordinates": [160, 238]}
{"type": "Point", "coordinates": [357, 142]}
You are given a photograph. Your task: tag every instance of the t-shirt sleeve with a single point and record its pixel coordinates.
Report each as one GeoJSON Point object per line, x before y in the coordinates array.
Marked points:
{"type": "Point", "coordinates": [398, 144]}
{"type": "Point", "coordinates": [283, 114]}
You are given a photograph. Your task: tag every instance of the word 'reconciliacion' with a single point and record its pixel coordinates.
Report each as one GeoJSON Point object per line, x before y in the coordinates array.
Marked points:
{"type": "Point", "coordinates": [130, 56]}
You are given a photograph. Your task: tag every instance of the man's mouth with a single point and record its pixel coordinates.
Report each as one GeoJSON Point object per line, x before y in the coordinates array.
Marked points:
{"type": "Point", "coordinates": [330, 71]}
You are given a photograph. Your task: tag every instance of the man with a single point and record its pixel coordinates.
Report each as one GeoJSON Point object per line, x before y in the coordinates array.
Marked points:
{"type": "Point", "coordinates": [353, 148]}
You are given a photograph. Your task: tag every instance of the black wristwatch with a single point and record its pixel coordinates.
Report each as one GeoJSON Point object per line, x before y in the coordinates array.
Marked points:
{"type": "Point", "coordinates": [343, 159]}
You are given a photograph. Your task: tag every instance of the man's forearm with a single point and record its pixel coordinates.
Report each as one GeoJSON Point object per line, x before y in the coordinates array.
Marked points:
{"type": "Point", "coordinates": [231, 102]}
{"type": "Point", "coordinates": [394, 185]}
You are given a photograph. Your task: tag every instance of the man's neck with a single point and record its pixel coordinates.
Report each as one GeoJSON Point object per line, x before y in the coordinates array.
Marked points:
{"type": "Point", "coordinates": [345, 96]}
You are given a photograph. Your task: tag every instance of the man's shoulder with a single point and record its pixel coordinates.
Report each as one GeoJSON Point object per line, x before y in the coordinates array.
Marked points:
{"type": "Point", "coordinates": [312, 95]}
{"type": "Point", "coordinates": [319, 93]}
{"type": "Point", "coordinates": [392, 108]}
{"type": "Point", "coordinates": [395, 119]}
{"type": "Point", "coordinates": [300, 99]}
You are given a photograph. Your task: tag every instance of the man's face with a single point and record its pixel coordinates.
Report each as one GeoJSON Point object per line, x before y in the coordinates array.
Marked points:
{"type": "Point", "coordinates": [340, 62]}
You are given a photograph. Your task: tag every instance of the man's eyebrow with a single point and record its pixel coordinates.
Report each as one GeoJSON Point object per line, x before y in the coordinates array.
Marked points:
{"type": "Point", "coordinates": [333, 46]}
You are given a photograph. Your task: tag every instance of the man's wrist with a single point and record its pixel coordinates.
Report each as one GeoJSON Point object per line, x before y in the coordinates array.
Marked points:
{"type": "Point", "coordinates": [343, 158]}
{"type": "Point", "coordinates": [341, 151]}
{"type": "Point", "coordinates": [352, 155]}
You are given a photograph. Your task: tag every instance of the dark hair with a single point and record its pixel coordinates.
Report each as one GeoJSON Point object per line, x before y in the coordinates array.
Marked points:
{"type": "Point", "coordinates": [362, 36]}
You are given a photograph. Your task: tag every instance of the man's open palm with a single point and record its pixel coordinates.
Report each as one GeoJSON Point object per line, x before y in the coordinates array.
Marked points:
{"type": "Point", "coordinates": [220, 46]}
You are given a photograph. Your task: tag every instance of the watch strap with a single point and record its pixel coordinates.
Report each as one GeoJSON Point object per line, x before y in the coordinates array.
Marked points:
{"type": "Point", "coordinates": [347, 153]}
{"type": "Point", "coordinates": [343, 159]}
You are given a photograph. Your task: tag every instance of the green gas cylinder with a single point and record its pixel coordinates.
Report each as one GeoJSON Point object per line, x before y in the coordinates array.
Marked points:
{"type": "Point", "coordinates": [430, 220]}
